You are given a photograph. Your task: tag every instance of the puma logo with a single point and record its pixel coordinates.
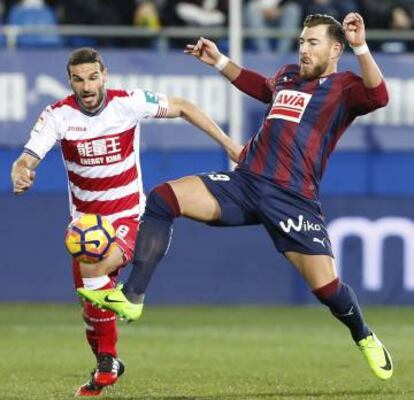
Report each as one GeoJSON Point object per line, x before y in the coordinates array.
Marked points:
{"type": "Point", "coordinates": [349, 313]}
{"type": "Point", "coordinates": [320, 241]}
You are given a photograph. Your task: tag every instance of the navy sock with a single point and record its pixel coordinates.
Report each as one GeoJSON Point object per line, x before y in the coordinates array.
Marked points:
{"type": "Point", "coordinates": [153, 239]}
{"type": "Point", "coordinates": [343, 303]}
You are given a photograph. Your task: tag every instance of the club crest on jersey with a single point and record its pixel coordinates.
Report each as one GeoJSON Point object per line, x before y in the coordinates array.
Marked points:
{"type": "Point", "coordinates": [151, 97]}
{"type": "Point", "coordinates": [289, 105]}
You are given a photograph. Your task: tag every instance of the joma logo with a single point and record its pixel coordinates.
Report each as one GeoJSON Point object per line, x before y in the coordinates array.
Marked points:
{"type": "Point", "coordinates": [76, 129]}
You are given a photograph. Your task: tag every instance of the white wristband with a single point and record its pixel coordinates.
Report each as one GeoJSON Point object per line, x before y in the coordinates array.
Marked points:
{"type": "Point", "coordinates": [221, 62]}
{"type": "Point", "coordinates": [359, 50]}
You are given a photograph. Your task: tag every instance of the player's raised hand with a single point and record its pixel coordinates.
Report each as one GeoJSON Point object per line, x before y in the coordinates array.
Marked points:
{"type": "Point", "coordinates": [354, 28]}
{"type": "Point", "coordinates": [205, 50]}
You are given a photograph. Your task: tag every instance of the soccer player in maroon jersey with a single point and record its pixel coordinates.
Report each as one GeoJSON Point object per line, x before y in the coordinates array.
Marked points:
{"type": "Point", "coordinates": [276, 181]}
{"type": "Point", "coordinates": [98, 130]}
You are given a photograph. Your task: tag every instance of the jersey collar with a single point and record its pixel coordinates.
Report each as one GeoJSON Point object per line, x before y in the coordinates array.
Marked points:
{"type": "Point", "coordinates": [98, 111]}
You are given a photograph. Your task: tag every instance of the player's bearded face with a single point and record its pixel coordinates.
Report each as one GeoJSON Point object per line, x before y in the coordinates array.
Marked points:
{"type": "Point", "coordinates": [312, 69]}
{"type": "Point", "coordinates": [314, 53]}
{"type": "Point", "coordinates": [88, 83]}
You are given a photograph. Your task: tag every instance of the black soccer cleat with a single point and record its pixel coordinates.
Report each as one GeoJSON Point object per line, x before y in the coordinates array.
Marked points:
{"type": "Point", "coordinates": [108, 371]}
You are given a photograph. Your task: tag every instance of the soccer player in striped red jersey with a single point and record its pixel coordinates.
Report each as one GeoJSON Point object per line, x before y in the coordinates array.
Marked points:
{"type": "Point", "coordinates": [276, 181]}
{"type": "Point", "coordinates": [99, 133]}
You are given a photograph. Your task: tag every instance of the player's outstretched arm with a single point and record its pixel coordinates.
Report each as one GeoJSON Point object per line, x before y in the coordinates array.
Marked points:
{"type": "Point", "coordinates": [354, 28]}
{"type": "Point", "coordinates": [178, 107]}
{"type": "Point", "coordinates": [23, 174]}
{"type": "Point", "coordinates": [249, 82]}
{"type": "Point", "coordinates": [207, 52]}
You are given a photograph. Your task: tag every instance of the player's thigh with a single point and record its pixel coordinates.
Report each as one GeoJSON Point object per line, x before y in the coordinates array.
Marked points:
{"type": "Point", "coordinates": [126, 232]}
{"type": "Point", "coordinates": [317, 270]}
{"type": "Point", "coordinates": [298, 230]}
{"type": "Point", "coordinates": [195, 200]}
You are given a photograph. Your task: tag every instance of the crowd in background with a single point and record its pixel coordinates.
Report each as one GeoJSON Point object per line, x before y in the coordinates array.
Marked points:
{"type": "Point", "coordinates": [283, 14]}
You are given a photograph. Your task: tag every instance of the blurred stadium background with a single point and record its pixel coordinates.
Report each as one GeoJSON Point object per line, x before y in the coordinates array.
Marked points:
{"type": "Point", "coordinates": [367, 191]}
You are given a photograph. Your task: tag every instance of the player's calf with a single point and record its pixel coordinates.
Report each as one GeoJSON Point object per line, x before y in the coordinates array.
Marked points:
{"type": "Point", "coordinates": [342, 302]}
{"type": "Point", "coordinates": [153, 239]}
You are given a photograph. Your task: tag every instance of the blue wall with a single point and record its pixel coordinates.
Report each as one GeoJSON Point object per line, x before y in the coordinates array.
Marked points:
{"type": "Point", "coordinates": [205, 264]}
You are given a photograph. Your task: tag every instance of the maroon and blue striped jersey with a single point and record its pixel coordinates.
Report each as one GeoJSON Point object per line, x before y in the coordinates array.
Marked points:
{"type": "Point", "coordinates": [303, 123]}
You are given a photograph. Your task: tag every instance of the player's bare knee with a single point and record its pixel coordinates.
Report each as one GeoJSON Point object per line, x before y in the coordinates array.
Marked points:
{"type": "Point", "coordinates": [91, 270]}
{"type": "Point", "coordinates": [104, 267]}
{"type": "Point", "coordinates": [317, 270]}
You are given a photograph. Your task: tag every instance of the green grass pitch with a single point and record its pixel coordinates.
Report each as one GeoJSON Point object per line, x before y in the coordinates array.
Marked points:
{"type": "Point", "coordinates": [205, 353]}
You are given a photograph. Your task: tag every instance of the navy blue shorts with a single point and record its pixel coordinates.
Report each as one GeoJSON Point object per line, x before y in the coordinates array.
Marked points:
{"type": "Point", "coordinates": [293, 222]}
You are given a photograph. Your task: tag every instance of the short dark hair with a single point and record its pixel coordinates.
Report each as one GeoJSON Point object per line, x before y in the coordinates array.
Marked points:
{"type": "Point", "coordinates": [335, 30]}
{"type": "Point", "coordinates": [85, 55]}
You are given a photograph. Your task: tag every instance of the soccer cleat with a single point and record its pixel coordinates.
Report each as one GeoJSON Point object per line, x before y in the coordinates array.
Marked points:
{"type": "Point", "coordinates": [89, 389]}
{"type": "Point", "coordinates": [107, 373]}
{"type": "Point", "coordinates": [377, 356]}
{"type": "Point", "coordinates": [114, 300]}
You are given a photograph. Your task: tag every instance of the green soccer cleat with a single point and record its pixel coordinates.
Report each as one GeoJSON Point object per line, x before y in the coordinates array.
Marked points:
{"type": "Point", "coordinates": [377, 356]}
{"type": "Point", "coordinates": [114, 300]}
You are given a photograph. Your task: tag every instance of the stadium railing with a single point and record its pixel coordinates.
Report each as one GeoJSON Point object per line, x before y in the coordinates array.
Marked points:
{"type": "Point", "coordinates": [12, 32]}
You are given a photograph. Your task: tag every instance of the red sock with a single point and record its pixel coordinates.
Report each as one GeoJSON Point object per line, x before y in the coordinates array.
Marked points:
{"type": "Point", "coordinates": [91, 336]}
{"type": "Point", "coordinates": [101, 329]}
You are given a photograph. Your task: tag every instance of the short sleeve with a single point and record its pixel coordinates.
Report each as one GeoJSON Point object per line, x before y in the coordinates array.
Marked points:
{"type": "Point", "coordinates": [149, 104]}
{"type": "Point", "coordinates": [44, 134]}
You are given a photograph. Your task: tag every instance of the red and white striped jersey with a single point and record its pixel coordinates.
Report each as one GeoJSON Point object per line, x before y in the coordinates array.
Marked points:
{"type": "Point", "coordinates": [100, 151]}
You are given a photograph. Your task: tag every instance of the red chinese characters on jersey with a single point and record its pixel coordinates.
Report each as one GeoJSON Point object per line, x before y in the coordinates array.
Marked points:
{"type": "Point", "coordinates": [103, 150]}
